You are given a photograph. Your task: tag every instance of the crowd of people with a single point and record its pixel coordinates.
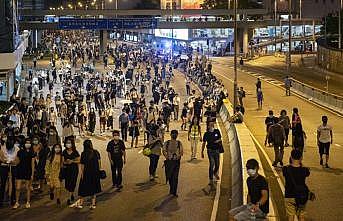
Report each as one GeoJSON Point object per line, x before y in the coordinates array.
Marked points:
{"type": "Point", "coordinates": [39, 134]}
{"type": "Point", "coordinates": [64, 102]}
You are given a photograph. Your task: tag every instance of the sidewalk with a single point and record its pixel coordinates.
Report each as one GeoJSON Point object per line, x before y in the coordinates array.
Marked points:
{"type": "Point", "coordinates": [326, 183]}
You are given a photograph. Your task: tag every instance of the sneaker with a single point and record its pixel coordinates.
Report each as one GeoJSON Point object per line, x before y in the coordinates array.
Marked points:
{"type": "Point", "coordinates": [93, 206]}
{"type": "Point", "coordinates": [151, 178]}
{"type": "Point", "coordinates": [327, 165]}
{"type": "Point", "coordinates": [27, 205]}
{"type": "Point", "coordinates": [321, 162]}
{"type": "Point", "coordinates": [120, 187]}
{"type": "Point", "coordinates": [217, 176]}
{"type": "Point", "coordinates": [16, 206]}
{"type": "Point", "coordinates": [274, 164]}
{"type": "Point", "coordinates": [155, 176]}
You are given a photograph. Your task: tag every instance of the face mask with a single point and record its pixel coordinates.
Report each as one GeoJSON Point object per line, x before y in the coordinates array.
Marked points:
{"type": "Point", "coordinates": [35, 142]}
{"type": "Point", "coordinates": [27, 145]}
{"type": "Point", "coordinates": [57, 150]}
{"type": "Point", "coordinates": [68, 145]}
{"type": "Point", "coordinates": [251, 172]}
{"type": "Point", "coordinates": [9, 125]}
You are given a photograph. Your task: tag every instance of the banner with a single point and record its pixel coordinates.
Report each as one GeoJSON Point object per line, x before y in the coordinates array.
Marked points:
{"type": "Point", "coordinates": [106, 24]}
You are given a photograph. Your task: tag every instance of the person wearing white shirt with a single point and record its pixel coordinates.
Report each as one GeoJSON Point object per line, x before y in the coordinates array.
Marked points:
{"type": "Point", "coordinates": [8, 159]}
{"type": "Point", "coordinates": [15, 117]}
{"type": "Point", "coordinates": [176, 104]}
{"type": "Point", "coordinates": [324, 139]}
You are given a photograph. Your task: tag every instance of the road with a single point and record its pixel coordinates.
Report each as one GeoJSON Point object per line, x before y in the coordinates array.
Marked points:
{"type": "Point", "coordinates": [140, 199]}
{"type": "Point", "coordinates": [326, 183]}
{"type": "Point", "coordinates": [275, 67]}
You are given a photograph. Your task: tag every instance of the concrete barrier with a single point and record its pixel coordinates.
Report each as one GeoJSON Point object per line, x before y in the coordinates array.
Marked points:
{"type": "Point", "coordinates": [242, 148]}
{"type": "Point", "coordinates": [323, 98]}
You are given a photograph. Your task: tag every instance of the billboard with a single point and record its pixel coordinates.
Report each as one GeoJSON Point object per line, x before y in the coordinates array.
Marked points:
{"type": "Point", "coordinates": [180, 34]}
{"type": "Point", "coordinates": [191, 4]}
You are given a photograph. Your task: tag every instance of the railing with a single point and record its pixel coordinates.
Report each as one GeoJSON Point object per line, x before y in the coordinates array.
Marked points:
{"type": "Point", "coordinates": [329, 100]}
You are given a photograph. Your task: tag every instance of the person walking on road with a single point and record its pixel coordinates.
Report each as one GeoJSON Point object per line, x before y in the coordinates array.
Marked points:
{"type": "Point", "coordinates": [257, 206]}
{"type": "Point", "coordinates": [71, 160]}
{"type": "Point", "coordinates": [259, 99]}
{"type": "Point", "coordinates": [176, 106]}
{"type": "Point", "coordinates": [241, 95]}
{"type": "Point", "coordinates": [117, 156]}
{"type": "Point", "coordinates": [285, 122]}
{"type": "Point", "coordinates": [277, 134]}
{"type": "Point", "coordinates": [194, 136]}
{"type": "Point", "coordinates": [172, 151]}
{"type": "Point", "coordinates": [324, 139]}
{"type": "Point", "coordinates": [299, 137]}
{"type": "Point", "coordinates": [90, 164]}
{"type": "Point", "coordinates": [269, 121]}
{"type": "Point", "coordinates": [212, 140]}
{"type": "Point", "coordinates": [53, 168]}
{"type": "Point", "coordinates": [124, 123]}
{"type": "Point", "coordinates": [258, 85]}
{"type": "Point", "coordinates": [288, 85]}
{"type": "Point", "coordinates": [295, 186]}
{"type": "Point", "coordinates": [24, 173]}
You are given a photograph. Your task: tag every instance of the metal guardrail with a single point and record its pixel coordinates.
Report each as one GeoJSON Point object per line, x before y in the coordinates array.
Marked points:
{"type": "Point", "coordinates": [324, 98]}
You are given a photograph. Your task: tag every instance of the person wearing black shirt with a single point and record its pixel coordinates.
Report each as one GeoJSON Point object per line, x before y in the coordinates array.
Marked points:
{"type": "Point", "coordinates": [212, 139]}
{"type": "Point", "coordinates": [117, 157]}
{"type": "Point", "coordinates": [258, 196]}
{"type": "Point", "coordinates": [295, 175]}
{"type": "Point", "coordinates": [24, 172]}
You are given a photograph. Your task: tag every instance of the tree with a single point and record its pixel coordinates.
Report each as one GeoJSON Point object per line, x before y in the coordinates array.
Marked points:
{"type": "Point", "coordinates": [331, 24]}
{"type": "Point", "coordinates": [148, 4]}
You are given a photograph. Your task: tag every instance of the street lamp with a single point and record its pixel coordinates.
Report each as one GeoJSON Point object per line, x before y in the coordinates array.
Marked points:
{"type": "Point", "coordinates": [275, 15]}
{"type": "Point", "coordinates": [289, 37]}
{"type": "Point", "coordinates": [235, 57]}
{"type": "Point", "coordinates": [340, 26]}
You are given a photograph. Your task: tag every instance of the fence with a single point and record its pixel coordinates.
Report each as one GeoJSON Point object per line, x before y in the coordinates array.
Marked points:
{"type": "Point", "coordinates": [332, 101]}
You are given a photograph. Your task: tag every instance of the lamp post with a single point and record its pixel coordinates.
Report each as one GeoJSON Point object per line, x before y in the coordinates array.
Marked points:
{"type": "Point", "coordinates": [289, 38]}
{"type": "Point", "coordinates": [235, 56]}
{"type": "Point", "coordinates": [340, 26]}
{"type": "Point", "coordinates": [275, 15]}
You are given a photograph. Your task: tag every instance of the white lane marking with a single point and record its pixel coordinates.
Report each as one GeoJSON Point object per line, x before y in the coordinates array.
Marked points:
{"type": "Point", "coordinates": [216, 199]}
{"type": "Point", "coordinates": [337, 145]}
{"type": "Point", "coordinates": [278, 178]}
{"type": "Point", "coordinates": [216, 72]}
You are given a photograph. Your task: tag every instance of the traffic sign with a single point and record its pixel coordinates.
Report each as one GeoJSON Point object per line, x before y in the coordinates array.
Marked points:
{"type": "Point", "coordinates": [104, 24]}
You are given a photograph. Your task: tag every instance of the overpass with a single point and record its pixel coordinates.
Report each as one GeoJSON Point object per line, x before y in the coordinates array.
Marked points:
{"type": "Point", "coordinates": [166, 19]}
{"type": "Point", "coordinates": [41, 25]}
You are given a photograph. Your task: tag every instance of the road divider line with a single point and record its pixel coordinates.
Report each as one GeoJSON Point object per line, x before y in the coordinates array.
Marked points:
{"type": "Point", "coordinates": [223, 76]}
{"type": "Point", "coordinates": [216, 198]}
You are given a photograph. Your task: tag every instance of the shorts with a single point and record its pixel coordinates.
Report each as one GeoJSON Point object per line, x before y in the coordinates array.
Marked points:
{"type": "Point", "coordinates": [243, 213]}
{"type": "Point", "coordinates": [292, 209]}
{"type": "Point", "coordinates": [324, 148]}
